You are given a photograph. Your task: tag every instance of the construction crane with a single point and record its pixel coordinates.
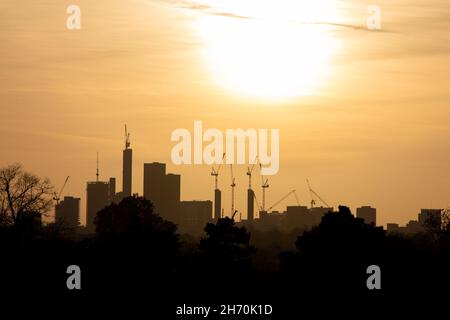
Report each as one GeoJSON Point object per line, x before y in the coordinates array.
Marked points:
{"type": "Point", "coordinates": [233, 185]}
{"type": "Point", "coordinates": [284, 197]}
{"type": "Point", "coordinates": [56, 196]}
{"type": "Point", "coordinates": [313, 193]}
{"type": "Point", "coordinates": [215, 173]}
{"type": "Point", "coordinates": [296, 198]}
{"type": "Point", "coordinates": [127, 138]}
{"type": "Point", "coordinates": [249, 173]}
{"type": "Point", "coordinates": [264, 186]}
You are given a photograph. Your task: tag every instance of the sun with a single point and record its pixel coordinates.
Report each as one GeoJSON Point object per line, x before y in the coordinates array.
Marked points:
{"type": "Point", "coordinates": [268, 49]}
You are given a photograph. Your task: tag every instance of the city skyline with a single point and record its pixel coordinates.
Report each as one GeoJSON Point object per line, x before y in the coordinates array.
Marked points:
{"type": "Point", "coordinates": [153, 176]}
{"type": "Point", "coordinates": [373, 129]}
{"type": "Point", "coordinates": [213, 158]}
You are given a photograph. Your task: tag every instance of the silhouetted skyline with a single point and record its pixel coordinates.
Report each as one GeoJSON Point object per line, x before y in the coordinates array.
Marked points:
{"type": "Point", "coordinates": [164, 191]}
{"type": "Point", "coordinates": [376, 122]}
{"type": "Point", "coordinates": [332, 121]}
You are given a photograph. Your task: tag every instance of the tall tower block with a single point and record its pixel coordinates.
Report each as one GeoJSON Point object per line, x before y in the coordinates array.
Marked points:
{"type": "Point", "coordinates": [250, 205]}
{"type": "Point", "coordinates": [112, 189]}
{"type": "Point", "coordinates": [127, 172]}
{"type": "Point", "coordinates": [127, 166]}
{"type": "Point", "coordinates": [217, 203]}
{"type": "Point", "coordinates": [96, 199]}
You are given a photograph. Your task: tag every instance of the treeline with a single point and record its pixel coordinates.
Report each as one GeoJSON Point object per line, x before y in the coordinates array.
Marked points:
{"type": "Point", "coordinates": [134, 249]}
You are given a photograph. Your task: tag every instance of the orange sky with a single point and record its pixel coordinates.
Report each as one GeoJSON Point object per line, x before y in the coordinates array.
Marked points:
{"type": "Point", "coordinates": [374, 130]}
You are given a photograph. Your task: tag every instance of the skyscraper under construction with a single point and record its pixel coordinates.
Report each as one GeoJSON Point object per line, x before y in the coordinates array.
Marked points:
{"type": "Point", "coordinates": [127, 166]}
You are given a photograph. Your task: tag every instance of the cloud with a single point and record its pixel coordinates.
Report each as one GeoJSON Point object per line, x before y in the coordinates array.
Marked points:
{"type": "Point", "coordinates": [211, 10]}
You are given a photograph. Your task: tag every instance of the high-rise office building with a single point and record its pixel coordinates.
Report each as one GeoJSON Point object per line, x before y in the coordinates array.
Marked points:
{"type": "Point", "coordinates": [67, 213]}
{"type": "Point", "coordinates": [127, 172]}
{"type": "Point", "coordinates": [97, 198]}
{"type": "Point", "coordinates": [163, 190]}
{"type": "Point", "coordinates": [250, 205]}
{"type": "Point", "coordinates": [172, 196]}
{"type": "Point", "coordinates": [112, 189]}
{"type": "Point", "coordinates": [367, 213]}
{"type": "Point", "coordinates": [217, 204]}
{"type": "Point", "coordinates": [154, 177]}
{"type": "Point", "coordinates": [127, 167]}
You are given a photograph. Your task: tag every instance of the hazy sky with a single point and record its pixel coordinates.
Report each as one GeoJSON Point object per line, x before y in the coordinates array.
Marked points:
{"type": "Point", "coordinates": [374, 129]}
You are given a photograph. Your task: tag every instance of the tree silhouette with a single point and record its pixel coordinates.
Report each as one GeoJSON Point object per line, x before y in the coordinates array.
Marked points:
{"type": "Point", "coordinates": [23, 196]}
{"type": "Point", "coordinates": [134, 222]}
{"type": "Point", "coordinates": [134, 241]}
{"type": "Point", "coordinates": [227, 246]}
{"type": "Point", "coordinates": [342, 244]}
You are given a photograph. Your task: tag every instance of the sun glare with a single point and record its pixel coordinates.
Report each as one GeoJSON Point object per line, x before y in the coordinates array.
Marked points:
{"type": "Point", "coordinates": [269, 49]}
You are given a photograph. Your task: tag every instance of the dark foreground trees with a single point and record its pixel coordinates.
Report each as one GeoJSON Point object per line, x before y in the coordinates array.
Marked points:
{"type": "Point", "coordinates": [226, 248]}
{"type": "Point", "coordinates": [334, 257]}
{"type": "Point", "coordinates": [135, 249]}
{"type": "Point", "coordinates": [133, 224]}
{"type": "Point", "coordinates": [134, 246]}
{"type": "Point", "coordinates": [220, 263]}
{"type": "Point", "coordinates": [336, 253]}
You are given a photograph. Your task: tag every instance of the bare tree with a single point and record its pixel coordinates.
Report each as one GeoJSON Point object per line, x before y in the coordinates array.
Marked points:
{"type": "Point", "coordinates": [22, 194]}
